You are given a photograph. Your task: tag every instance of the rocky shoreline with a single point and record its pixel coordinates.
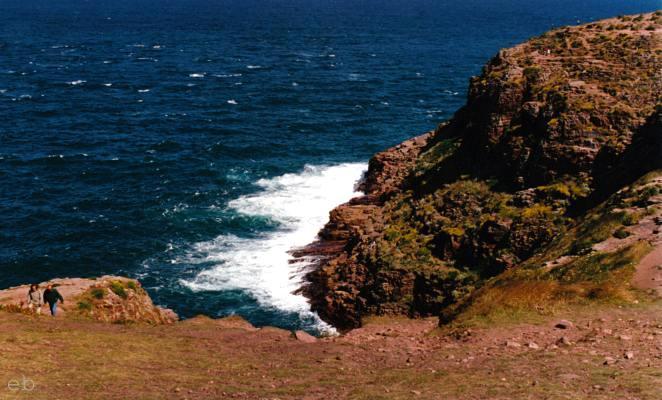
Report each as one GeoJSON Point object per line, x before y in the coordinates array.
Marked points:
{"type": "Point", "coordinates": [551, 128]}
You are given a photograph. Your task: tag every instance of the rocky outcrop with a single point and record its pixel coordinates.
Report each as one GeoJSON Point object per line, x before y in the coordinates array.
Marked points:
{"type": "Point", "coordinates": [551, 128]}
{"type": "Point", "coordinates": [108, 299]}
{"type": "Point", "coordinates": [352, 224]}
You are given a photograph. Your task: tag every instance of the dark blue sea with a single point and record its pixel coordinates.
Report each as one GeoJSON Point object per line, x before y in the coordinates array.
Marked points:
{"type": "Point", "coordinates": [192, 143]}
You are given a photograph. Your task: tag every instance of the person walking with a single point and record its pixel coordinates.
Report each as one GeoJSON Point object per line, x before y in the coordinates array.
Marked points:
{"type": "Point", "coordinates": [52, 296]}
{"type": "Point", "coordinates": [34, 299]}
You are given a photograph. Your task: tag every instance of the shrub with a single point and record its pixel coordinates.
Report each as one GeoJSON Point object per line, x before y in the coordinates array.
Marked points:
{"type": "Point", "coordinates": [621, 233]}
{"type": "Point", "coordinates": [132, 285]}
{"type": "Point", "coordinates": [118, 289]}
{"type": "Point", "coordinates": [630, 219]}
{"type": "Point", "coordinates": [532, 73]}
{"type": "Point", "coordinates": [84, 305]}
{"type": "Point", "coordinates": [536, 211]}
{"type": "Point", "coordinates": [97, 293]}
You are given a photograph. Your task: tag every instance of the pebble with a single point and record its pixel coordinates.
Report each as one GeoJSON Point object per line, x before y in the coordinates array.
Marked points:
{"type": "Point", "coordinates": [564, 324]}
{"type": "Point", "coordinates": [511, 343]}
{"type": "Point", "coordinates": [629, 355]}
{"type": "Point", "coordinates": [564, 341]}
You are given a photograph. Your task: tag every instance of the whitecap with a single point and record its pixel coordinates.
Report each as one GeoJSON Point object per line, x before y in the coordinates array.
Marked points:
{"type": "Point", "coordinates": [253, 66]}
{"type": "Point", "coordinates": [78, 82]}
{"type": "Point", "coordinates": [232, 101]}
{"type": "Point", "coordinates": [143, 90]}
{"type": "Point", "coordinates": [262, 266]}
{"type": "Point", "coordinates": [197, 75]}
{"type": "Point", "coordinates": [227, 75]}
{"type": "Point", "coordinates": [108, 84]}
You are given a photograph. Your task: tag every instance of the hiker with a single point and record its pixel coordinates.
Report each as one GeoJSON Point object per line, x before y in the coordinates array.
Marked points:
{"type": "Point", "coordinates": [51, 296]}
{"type": "Point", "coordinates": [34, 299]}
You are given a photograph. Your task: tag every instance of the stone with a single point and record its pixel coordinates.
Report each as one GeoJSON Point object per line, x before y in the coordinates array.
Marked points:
{"type": "Point", "coordinates": [609, 361]}
{"type": "Point", "coordinates": [512, 344]}
{"type": "Point", "coordinates": [533, 345]}
{"type": "Point", "coordinates": [564, 324]}
{"type": "Point", "coordinates": [628, 355]}
{"type": "Point", "coordinates": [304, 337]}
{"type": "Point", "coordinates": [563, 340]}
{"type": "Point", "coordinates": [625, 337]}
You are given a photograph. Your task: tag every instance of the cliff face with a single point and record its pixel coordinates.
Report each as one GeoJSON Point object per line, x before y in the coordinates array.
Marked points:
{"type": "Point", "coordinates": [551, 128]}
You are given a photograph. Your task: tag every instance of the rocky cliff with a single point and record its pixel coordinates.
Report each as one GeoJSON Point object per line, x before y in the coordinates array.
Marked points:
{"type": "Point", "coordinates": [530, 173]}
{"type": "Point", "coordinates": [107, 299]}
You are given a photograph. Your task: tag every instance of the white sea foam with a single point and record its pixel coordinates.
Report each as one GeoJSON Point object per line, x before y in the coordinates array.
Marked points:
{"type": "Point", "coordinates": [261, 266]}
{"type": "Point", "coordinates": [253, 66]}
{"type": "Point", "coordinates": [200, 75]}
{"type": "Point", "coordinates": [108, 84]}
{"type": "Point", "coordinates": [232, 101]}
{"type": "Point", "coordinates": [143, 90]}
{"type": "Point", "coordinates": [78, 82]}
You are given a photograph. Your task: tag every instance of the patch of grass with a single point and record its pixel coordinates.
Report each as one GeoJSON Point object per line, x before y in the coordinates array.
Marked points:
{"type": "Point", "coordinates": [118, 288]}
{"type": "Point", "coordinates": [621, 233]}
{"type": "Point", "coordinates": [597, 267]}
{"type": "Point", "coordinates": [630, 218]}
{"type": "Point", "coordinates": [536, 211]}
{"type": "Point", "coordinates": [97, 293]}
{"type": "Point", "coordinates": [594, 230]}
{"type": "Point", "coordinates": [84, 305]}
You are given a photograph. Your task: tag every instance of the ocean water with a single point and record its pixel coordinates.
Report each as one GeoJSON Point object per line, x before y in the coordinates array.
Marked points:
{"type": "Point", "coordinates": [192, 143]}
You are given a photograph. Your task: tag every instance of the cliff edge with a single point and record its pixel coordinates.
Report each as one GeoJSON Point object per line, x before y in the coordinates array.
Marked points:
{"type": "Point", "coordinates": [551, 172]}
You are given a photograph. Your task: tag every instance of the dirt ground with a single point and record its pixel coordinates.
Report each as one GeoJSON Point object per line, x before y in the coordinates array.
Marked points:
{"type": "Point", "coordinates": [603, 353]}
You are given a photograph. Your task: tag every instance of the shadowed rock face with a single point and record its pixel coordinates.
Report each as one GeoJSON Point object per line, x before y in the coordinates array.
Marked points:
{"type": "Point", "coordinates": [550, 128]}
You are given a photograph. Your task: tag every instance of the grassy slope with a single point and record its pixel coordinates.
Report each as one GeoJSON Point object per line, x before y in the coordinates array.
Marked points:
{"type": "Point", "coordinates": [388, 359]}
{"type": "Point", "coordinates": [574, 268]}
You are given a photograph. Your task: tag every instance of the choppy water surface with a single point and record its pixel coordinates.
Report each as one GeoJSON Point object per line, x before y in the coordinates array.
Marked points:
{"type": "Point", "coordinates": [191, 143]}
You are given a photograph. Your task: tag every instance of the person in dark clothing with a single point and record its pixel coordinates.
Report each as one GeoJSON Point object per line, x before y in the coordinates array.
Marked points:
{"type": "Point", "coordinates": [52, 296]}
